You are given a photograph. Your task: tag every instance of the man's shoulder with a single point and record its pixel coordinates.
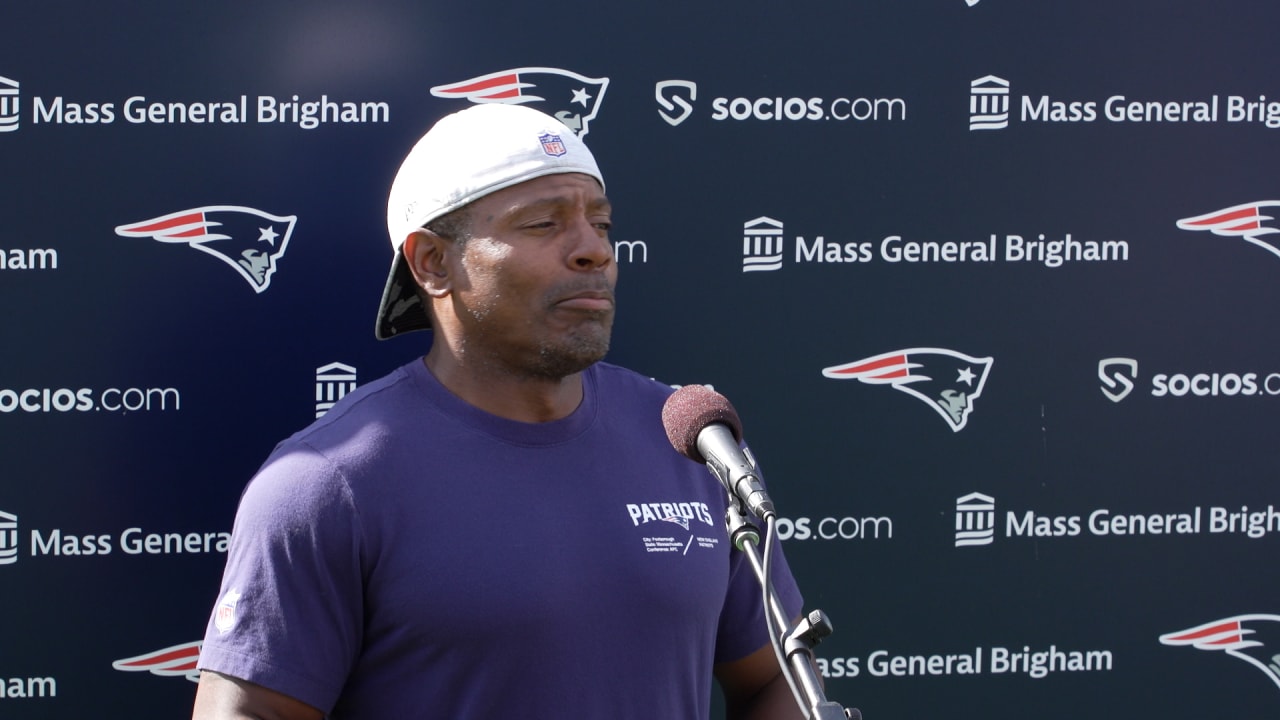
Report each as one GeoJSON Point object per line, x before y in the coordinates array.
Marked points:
{"type": "Point", "coordinates": [359, 423]}
{"type": "Point", "coordinates": [384, 397]}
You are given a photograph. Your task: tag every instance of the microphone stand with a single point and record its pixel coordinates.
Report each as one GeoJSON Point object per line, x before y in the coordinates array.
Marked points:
{"type": "Point", "coordinates": [794, 646]}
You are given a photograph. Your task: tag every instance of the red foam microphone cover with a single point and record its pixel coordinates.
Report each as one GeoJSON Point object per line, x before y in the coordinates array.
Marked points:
{"type": "Point", "coordinates": [692, 408]}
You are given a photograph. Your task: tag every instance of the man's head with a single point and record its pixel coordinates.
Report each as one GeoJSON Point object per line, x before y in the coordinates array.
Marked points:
{"type": "Point", "coordinates": [465, 157]}
{"type": "Point", "coordinates": [528, 292]}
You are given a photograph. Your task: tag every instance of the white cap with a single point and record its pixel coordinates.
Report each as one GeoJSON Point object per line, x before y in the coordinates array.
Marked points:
{"type": "Point", "coordinates": [462, 158]}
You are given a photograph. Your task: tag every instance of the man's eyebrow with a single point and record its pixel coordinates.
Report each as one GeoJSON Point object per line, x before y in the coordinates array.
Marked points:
{"type": "Point", "coordinates": [597, 205]}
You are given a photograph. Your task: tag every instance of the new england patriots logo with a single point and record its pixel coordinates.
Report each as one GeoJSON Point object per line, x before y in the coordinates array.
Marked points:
{"type": "Point", "coordinates": [250, 241]}
{"type": "Point", "coordinates": [680, 520]}
{"type": "Point", "coordinates": [1247, 221]}
{"type": "Point", "coordinates": [945, 380]}
{"type": "Point", "coordinates": [572, 98]}
{"type": "Point", "coordinates": [178, 660]}
{"type": "Point", "coordinates": [1254, 639]}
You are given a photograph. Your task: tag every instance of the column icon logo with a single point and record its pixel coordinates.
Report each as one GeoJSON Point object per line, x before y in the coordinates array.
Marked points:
{"type": "Point", "coordinates": [989, 103]}
{"type": "Point", "coordinates": [10, 105]}
{"type": "Point", "coordinates": [762, 244]}
{"type": "Point", "coordinates": [333, 381]}
{"type": "Point", "coordinates": [8, 538]}
{"type": "Point", "coordinates": [975, 520]}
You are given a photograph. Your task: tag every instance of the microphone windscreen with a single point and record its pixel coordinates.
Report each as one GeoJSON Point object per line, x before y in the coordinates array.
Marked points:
{"type": "Point", "coordinates": [692, 408]}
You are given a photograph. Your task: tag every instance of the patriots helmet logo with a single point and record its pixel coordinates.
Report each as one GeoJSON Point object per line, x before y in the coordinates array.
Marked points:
{"type": "Point", "coordinates": [945, 380]}
{"type": "Point", "coordinates": [1249, 221]}
{"type": "Point", "coordinates": [1254, 639]}
{"type": "Point", "coordinates": [571, 98]}
{"type": "Point", "coordinates": [178, 660]}
{"type": "Point", "coordinates": [250, 241]}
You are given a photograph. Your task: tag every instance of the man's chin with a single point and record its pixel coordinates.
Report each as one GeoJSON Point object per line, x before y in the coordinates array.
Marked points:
{"type": "Point", "coordinates": [572, 356]}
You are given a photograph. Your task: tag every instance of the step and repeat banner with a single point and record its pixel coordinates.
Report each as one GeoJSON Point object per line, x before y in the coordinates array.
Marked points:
{"type": "Point", "coordinates": [994, 286]}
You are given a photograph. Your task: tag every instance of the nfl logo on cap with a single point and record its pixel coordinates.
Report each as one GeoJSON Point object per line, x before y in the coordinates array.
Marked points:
{"type": "Point", "coordinates": [552, 145]}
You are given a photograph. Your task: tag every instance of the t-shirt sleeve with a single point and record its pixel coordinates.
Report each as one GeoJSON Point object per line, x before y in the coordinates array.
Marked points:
{"type": "Point", "coordinates": [289, 612]}
{"type": "Point", "coordinates": [742, 628]}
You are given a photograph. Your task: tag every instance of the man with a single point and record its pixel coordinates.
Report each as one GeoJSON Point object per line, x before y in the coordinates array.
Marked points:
{"type": "Point", "coordinates": [499, 528]}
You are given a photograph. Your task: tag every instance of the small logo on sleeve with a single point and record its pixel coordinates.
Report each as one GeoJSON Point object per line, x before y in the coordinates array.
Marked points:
{"type": "Point", "coordinates": [225, 617]}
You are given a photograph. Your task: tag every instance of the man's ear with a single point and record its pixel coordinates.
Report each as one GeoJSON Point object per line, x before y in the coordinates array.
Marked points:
{"type": "Point", "coordinates": [427, 254]}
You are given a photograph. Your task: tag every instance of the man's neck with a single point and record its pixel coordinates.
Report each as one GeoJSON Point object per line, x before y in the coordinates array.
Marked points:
{"type": "Point", "coordinates": [501, 393]}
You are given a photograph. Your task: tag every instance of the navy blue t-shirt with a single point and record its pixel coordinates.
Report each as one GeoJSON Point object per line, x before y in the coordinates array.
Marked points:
{"type": "Point", "coordinates": [409, 555]}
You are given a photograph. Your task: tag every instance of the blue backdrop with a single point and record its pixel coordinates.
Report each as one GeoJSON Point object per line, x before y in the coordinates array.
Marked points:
{"type": "Point", "coordinates": [992, 285]}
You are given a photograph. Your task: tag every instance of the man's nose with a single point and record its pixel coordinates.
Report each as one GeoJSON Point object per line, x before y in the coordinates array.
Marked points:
{"type": "Point", "coordinates": [591, 246]}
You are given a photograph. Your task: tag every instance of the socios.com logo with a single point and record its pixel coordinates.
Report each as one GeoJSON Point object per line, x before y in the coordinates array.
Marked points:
{"type": "Point", "coordinates": [1214, 384]}
{"type": "Point", "coordinates": [113, 400]}
{"type": "Point", "coordinates": [1117, 376]}
{"type": "Point", "coordinates": [675, 99]}
{"type": "Point", "coordinates": [672, 94]}
{"type": "Point", "coordinates": [833, 528]}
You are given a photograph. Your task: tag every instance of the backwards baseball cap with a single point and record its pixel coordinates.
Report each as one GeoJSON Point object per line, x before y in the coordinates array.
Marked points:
{"type": "Point", "coordinates": [462, 158]}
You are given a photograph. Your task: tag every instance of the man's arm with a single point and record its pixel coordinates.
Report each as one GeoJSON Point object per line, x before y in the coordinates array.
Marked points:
{"type": "Point", "coordinates": [222, 697]}
{"type": "Point", "coordinates": [755, 689]}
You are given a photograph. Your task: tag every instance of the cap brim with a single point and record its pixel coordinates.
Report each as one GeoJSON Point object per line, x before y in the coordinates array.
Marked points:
{"type": "Point", "coordinates": [401, 310]}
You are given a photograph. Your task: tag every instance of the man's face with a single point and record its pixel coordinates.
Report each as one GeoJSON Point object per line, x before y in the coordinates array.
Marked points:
{"type": "Point", "coordinates": [533, 288]}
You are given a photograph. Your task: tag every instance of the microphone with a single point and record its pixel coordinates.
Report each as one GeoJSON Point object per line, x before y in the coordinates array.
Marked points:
{"type": "Point", "coordinates": [704, 427]}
